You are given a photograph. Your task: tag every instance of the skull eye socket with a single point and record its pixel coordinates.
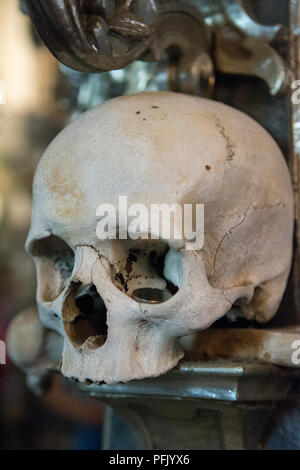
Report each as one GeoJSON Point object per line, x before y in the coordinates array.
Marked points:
{"type": "Point", "coordinates": [55, 262]}
{"type": "Point", "coordinates": [85, 315]}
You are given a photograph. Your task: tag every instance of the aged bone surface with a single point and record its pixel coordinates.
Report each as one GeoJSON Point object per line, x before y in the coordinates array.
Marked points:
{"type": "Point", "coordinates": [33, 348]}
{"type": "Point", "coordinates": [156, 148]}
{"type": "Point", "coordinates": [280, 346]}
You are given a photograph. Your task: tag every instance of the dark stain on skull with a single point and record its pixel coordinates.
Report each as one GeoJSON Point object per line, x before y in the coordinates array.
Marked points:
{"type": "Point", "coordinates": [120, 278]}
{"type": "Point", "coordinates": [132, 258]}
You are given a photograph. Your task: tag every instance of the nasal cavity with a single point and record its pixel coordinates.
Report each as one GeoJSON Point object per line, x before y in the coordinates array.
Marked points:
{"type": "Point", "coordinates": [85, 317]}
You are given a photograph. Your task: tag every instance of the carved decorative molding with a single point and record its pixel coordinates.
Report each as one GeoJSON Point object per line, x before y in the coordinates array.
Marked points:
{"type": "Point", "coordinates": [102, 35]}
{"type": "Point", "coordinates": [243, 46]}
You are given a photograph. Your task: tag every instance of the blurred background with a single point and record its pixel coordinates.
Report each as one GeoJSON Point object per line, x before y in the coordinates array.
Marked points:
{"type": "Point", "coordinates": [38, 102]}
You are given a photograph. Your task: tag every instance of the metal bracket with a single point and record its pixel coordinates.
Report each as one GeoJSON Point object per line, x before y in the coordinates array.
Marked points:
{"type": "Point", "coordinates": [219, 405]}
{"type": "Point", "coordinates": [102, 35]}
{"type": "Point", "coordinates": [244, 46]}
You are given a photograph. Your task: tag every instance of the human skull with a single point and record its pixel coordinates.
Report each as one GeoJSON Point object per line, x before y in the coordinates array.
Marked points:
{"type": "Point", "coordinates": [156, 148]}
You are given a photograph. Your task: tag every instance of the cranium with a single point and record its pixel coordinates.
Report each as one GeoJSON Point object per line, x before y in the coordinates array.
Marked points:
{"type": "Point", "coordinates": [156, 148]}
